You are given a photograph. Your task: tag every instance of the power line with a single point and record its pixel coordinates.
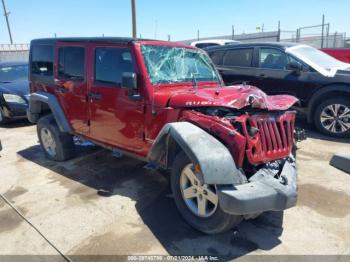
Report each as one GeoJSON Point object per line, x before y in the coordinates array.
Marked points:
{"type": "Point", "coordinates": [6, 14]}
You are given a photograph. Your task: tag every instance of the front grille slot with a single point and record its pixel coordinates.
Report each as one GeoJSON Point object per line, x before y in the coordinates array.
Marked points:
{"type": "Point", "coordinates": [274, 139]}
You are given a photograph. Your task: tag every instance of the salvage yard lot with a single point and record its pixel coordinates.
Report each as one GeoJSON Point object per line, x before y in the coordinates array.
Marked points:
{"type": "Point", "coordinates": [99, 204]}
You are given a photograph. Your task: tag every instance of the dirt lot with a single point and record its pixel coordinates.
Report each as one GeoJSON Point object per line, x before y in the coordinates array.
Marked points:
{"type": "Point", "coordinates": [68, 203]}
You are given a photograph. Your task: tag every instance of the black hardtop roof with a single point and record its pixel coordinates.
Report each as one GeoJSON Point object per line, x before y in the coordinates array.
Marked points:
{"type": "Point", "coordinates": [115, 40]}
{"type": "Point", "coordinates": [266, 44]}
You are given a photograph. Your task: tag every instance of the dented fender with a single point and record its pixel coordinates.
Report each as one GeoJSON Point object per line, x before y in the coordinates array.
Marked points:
{"type": "Point", "coordinates": [215, 161]}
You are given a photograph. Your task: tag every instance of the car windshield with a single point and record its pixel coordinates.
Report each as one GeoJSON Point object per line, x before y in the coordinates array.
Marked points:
{"type": "Point", "coordinates": [316, 57]}
{"type": "Point", "coordinates": [11, 73]}
{"type": "Point", "coordinates": [166, 64]}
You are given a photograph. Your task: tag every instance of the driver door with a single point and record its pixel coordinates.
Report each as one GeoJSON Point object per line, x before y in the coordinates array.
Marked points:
{"type": "Point", "coordinates": [274, 77]}
{"type": "Point", "coordinates": [115, 118]}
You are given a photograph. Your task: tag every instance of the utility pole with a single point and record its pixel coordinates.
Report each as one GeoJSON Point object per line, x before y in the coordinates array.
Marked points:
{"type": "Point", "coordinates": [233, 32]}
{"type": "Point", "coordinates": [279, 32]}
{"type": "Point", "coordinates": [6, 14]}
{"type": "Point", "coordinates": [133, 15]}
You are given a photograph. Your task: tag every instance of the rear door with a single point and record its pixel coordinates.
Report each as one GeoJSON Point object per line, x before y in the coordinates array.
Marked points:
{"type": "Point", "coordinates": [235, 65]}
{"type": "Point", "coordinates": [71, 84]}
{"type": "Point", "coordinates": [115, 118]}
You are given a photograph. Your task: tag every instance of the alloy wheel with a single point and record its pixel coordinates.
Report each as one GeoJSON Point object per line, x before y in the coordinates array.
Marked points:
{"type": "Point", "coordinates": [335, 118]}
{"type": "Point", "coordinates": [48, 141]}
{"type": "Point", "coordinates": [201, 199]}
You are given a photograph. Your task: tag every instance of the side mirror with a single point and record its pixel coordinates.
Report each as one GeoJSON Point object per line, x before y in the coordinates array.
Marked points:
{"type": "Point", "coordinates": [129, 81]}
{"type": "Point", "coordinates": [294, 66]}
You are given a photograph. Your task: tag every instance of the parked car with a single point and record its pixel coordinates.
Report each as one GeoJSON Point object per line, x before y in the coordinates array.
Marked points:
{"type": "Point", "coordinates": [14, 90]}
{"type": "Point", "coordinates": [229, 150]}
{"type": "Point", "coordinates": [342, 54]}
{"type": "Point", "coordinates": [213, 42]}
{"type": "Point", "coordinates": [321, 82]}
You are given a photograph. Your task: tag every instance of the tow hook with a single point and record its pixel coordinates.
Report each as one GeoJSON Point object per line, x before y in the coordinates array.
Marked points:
{"type": "Point", "coordinates": [283, 180]}
{"type": "Point", "coordinates": [299, 134]}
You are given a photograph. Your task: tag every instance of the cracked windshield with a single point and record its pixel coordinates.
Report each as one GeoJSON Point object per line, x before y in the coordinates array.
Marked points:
{"type": "Point", "coordinates": [175, 65]}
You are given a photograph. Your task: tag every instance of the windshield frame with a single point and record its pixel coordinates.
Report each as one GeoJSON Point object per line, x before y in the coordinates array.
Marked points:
{"type": "Point", "coordinates": [191, 81]}
{"type": "Point", "coordinates": [326, 71]}
{"type": "Point", "coordinates": [12, 66]}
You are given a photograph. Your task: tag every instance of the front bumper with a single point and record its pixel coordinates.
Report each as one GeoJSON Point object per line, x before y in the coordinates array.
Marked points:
{"type": "Point", "coordinates": [263, 193]}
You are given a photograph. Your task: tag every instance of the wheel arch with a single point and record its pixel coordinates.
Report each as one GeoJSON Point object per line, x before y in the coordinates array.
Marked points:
{"type": "Point", "coordinates": [41, 103]}
{"type": "Point", "coordinates": [215, 161]}
{"type": "Point", "coordinates": [329, 91]}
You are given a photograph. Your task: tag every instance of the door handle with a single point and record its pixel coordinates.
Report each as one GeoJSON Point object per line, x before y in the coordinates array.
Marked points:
{"type": "Point", "coordinates": [60, 89]}
{"type": "Point", "coordinates": [59, 86]}
{"type": "Point", "coordinates": [95, 96]}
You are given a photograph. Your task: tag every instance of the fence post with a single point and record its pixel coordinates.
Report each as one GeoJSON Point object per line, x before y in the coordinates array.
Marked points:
{"type": "Point", "coordinates": [298, 35]}
{"type": "Point", "coordinates": [279, 32]}
{"type": "Point", "coordinates": [322, 31]}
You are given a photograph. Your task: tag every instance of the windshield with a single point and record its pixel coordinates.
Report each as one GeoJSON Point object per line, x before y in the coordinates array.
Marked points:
{"type": "Point", "coordinates": [313, 56]}
{"type": "Point", "coordinates": [166, 64]}
{"type": "Point", "coordinates": [11, 73]}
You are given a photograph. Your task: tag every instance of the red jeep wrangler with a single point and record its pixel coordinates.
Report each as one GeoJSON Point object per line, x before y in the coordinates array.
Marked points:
{"type": "Point", "coordinates": [229, 149]}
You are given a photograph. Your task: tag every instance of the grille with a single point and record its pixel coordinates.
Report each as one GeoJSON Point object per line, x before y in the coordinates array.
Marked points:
{"type": "Point", "coordinates": [275, 137]}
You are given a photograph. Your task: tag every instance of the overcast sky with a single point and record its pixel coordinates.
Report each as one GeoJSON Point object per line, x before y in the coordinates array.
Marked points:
{"type": "Point", "coordinates": [157, 18]}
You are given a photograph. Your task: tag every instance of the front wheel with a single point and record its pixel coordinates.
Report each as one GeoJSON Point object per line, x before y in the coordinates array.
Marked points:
{"type": "Point", "coordinates": [198, 203]}
{"type": "Point", "coordinates": [332, 117]}
{"type": "Point", "coordinates": [3, 120]}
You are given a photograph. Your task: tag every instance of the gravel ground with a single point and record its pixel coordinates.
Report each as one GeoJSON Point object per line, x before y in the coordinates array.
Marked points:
{"type": "Point", "coordinates": [68, 203]}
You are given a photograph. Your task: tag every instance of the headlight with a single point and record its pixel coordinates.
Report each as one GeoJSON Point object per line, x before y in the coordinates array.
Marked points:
{"type": "Point", "coordinates": [9, 98]}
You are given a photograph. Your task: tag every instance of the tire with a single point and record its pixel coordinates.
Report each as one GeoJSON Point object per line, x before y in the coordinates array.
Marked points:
{"type": "Point", "coordinates": [216, 222]}
{"type": "Point", "coordinates": [57, 145]}
{"type": "Point", "coordinates": [324, 117]}
{"type": "Point", "coordinates": [3, 120]}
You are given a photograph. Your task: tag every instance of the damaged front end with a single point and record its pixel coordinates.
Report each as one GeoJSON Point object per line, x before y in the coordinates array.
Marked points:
{"type": "Point", "coordinates": [272, 188]}
{"type": "Point", "coordinates": [262, 144]}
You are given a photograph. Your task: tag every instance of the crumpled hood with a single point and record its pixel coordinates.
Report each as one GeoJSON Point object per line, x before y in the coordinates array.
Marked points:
{"type": "Point", "coordinates": [231, 96]}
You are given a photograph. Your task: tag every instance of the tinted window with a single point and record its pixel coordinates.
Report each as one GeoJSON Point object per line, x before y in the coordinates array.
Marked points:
{"type": "Point", "coordinates": [238, 57]}
{"type": "Point", "coordinates": [273, 58]}
{"type": "Point", "coordinates": [13, 73]}
{"type": "Point", "coordinates": [71, 63]}
{"type": "Point", "coordinates": [217, 56]}
{"type": "Point", "coordinates": [42, 60]}
{"type": "Point", "coordinates": [204, 45]}
{"type": "Point", "coordinates": [111, 63]}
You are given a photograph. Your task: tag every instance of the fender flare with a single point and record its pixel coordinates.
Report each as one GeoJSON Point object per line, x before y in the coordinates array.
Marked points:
{"type": "Point", "coordinates": [35, 108]}
{"type": "Point", "coordinates": [214, 159]}
{"type": "Point", "coordinates": [322, 91]}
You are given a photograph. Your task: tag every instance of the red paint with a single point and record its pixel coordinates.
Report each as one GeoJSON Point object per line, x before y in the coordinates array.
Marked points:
{"type": "Point", "coordinates": [342, 54]}
{"type": "Point", "coordinates": [120, 122]}
{"type": "Point", "coordinates": [236, 97]}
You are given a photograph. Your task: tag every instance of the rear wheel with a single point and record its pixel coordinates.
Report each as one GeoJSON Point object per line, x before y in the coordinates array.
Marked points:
{"type": "Point", "coordinates": [332, 117]}
{"type": "Point", "coordinates": [57, 145]}
{"type": "Point", "coordinates": [198, 203]}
